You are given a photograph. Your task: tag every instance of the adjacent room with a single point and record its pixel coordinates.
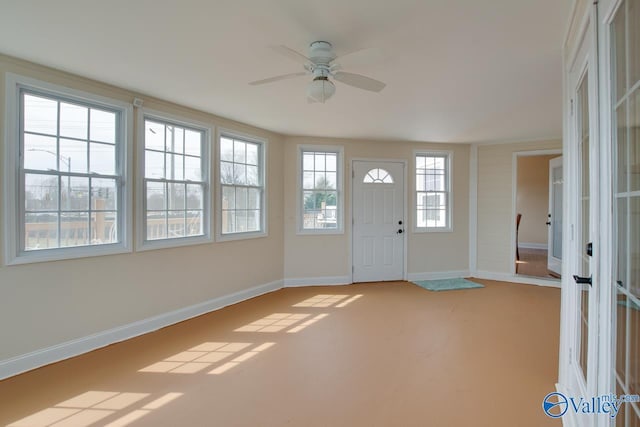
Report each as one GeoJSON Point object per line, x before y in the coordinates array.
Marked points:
{"type": "Point", "coordinates": [338, 213]}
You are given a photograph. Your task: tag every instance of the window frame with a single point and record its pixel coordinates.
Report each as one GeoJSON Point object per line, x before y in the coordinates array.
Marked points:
{"type": "Point", "coordinates": [263, 143]}
{"type": "Point", "coordinates": [448, 154]}
{"type": "Point", "coordinates": [141, 201]}
{"type": "Point", "coordinates": [339, 150]}
{"type": "Point", "coordinates": [14, 209]}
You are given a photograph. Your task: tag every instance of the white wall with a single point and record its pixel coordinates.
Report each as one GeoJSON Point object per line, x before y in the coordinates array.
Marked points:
{"type": "Point", "coordinates": [496, 222]}
{"type": "Point", "coordinates": [45, 304]}
{"type": "Point", "coordinates": [318, 256]}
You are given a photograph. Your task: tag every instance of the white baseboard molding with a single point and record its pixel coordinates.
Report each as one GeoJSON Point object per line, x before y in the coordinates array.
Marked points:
{"type": "Point", "coordinates": [56, 353]}
{"type": "Point", "coordinates": [317, 281]}
{"type": "Point", "coordinates": [514, 278]}
{"type": "Point", "coordinates": [533, 246]}
{"type": "Point", "coordinates": [437, 275]}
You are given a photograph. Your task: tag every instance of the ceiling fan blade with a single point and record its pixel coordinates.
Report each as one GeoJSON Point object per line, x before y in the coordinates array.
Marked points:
{"type": "Point", "coordinates": [277, 78]}
{"type": "Point", "coordinates": [359, 81]}
{"type": "Point", "coordinates": [359, 58]}
{"type": "Point", "coordinates": [292, 54]}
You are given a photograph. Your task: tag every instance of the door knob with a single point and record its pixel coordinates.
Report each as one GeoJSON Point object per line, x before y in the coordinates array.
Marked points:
{"type": "Point", "coordinates": [400, 231]}
{"type": "Point", "coordinates": [548, 223]}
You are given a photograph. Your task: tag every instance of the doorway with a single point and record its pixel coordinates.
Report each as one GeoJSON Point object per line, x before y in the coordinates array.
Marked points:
{"type": "Point", "coordinates": [538, 213]}
{"type": "Point", "coordinates": [379, 223]}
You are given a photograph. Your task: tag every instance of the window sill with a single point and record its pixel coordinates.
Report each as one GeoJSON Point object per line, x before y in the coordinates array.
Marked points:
{"type": "Point", "coordinates": [319, 232]}
{"type": "Point", "coordinates": [241, 236]}
{"type": "Point", "coordinates": [63, 254]}
{"type": "Point", "coordinates": [178, 242]}
{"type": "Point", "coordinates": [433, 230]}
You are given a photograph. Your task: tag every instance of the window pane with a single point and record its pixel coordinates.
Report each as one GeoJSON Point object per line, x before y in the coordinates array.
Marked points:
{"type": "Point", "coordinates": [226, 173]}
{"type": "Point", "coordinates": [420, 162]}
{"type": "Point", "coordinates": [73, 156]}
{"type": "Point", "coordinates": [241, 221]}
{"type": "Point", "coordinates": [40, 152]}
{"type": "Point", "coordinates": [40, 115]}
{"type": "Point", "coordinates": [193, 142]}
{"type": "Point", "coordinates": [226, 149]}
{"type": "Point", "coordinates": [156, 196]}
{"type": "Point", "coordinates": [319, 162]}
{"type": "Point", "coordinates": [176, 224]}
{"type": "Point", "coordinates": [634, 246]}
{"type": "Point", "coordinates": [41, 231]}
{"type": "Point", "coordinates": [154, 135]}
{"type": "Point", "coordinates": [252, 176]}
{"type": "Point", "coordinates": [175, 139]}
{"type": "Point", "coordinates": [73, 121]}
{"type": "Point", "coordinates": [621, 148]}
{"type": "Point", "coordinates": [332, 162]}
{"type": "Point", "coordinates": [331, 180]}
{"type": "Point", "coordinates": [241, 198]}
{"type": "Point", "coordinates": [252, 154]}
{"type": "Point", "coordinates": [104, 194]}
{"type": "Point", "coordinates": [618, 50]}
{"type": "Point", "coordinates": [228, 221]}
{"type": "Point", "coordinates": [253, 198]}
{"type": "Point", "coordinates": [103, 126]}
{"type": "Point", "coordinates": [239, 152]}
{"type": "Point", "coordinates": [634, 42]}
{"type": "Point", "coordinates": [102, 158]}
{"type": "Point", "coordinates": [307, 161]}
{"type": "Point", "coordinates": [420, 182]}
{"type": "Point", "coordinates": [154, 164]}
{"type": "Point", "coordinates": [194, 223]}
{"type": "Point", "coordinates": [156, 225]}
{"type": "Point", "coordinates": [307, 180]}
{"type": "Point", "coordinates": [193, 169]}
{"type": "Point", "coordinates": [175, 166]}
{"type": "Point", "coordinates": [228, 198]}
{"type": "Point", "coordinates": [75, 194]}
{"type": "Point", "coordinates": [104, 228]}
{"type": "Point", "coordinates": [176, 196]}
{"type": "Point", "coordinates": [239, 174]}
{"type": "Point", "coordinates": [634, 142]}
{"type": "Point", "coordinates": [74, 229]}
{"type": "Point", "coordinates": [195, 196]}
{"type": "Point", "coordinates": [621, 335]}
{"type": "Point", "coordinates": [253, 220]}
{"type": "Point", "coordinates": [41, 192]}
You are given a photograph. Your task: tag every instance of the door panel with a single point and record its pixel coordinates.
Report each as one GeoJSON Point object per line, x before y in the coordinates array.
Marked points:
{"type": "Point", "coordinates": [378, 221]}
{"type": "Point", "coordinates": [554, 241]}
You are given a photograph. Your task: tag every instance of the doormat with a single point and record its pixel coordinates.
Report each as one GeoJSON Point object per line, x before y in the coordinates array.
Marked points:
{"type": "Point", "coordinates": [447, 284]}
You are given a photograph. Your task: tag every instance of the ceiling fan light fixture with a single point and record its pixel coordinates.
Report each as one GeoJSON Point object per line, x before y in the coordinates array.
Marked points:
{"type": "Point", "coordinates": [320, 89]}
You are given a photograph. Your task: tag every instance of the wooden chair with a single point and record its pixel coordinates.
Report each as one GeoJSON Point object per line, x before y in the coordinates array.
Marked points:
{"type": "Point", "coordinates": [518, 219]}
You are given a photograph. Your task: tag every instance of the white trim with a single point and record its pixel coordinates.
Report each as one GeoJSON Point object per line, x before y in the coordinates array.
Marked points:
{"type": "Point", "coordinates": [339, 149]}
{"type": "Point", "coordinates": [12, 210]}
{"type": "Point", "coordinates": [522, 245]}
{"type": "Point", "coordinates": [55, 353]}
{"type": "Point", "coordinates": [450, 197]}
{"type": "Point", "coordinates": [526, 280]}
{"type": "Point", "coordinates": [317, 281]}
{"type": "Point", "coordinates": [437, 275]}
{"type": "Point", "coordinates": [264, 142]}
{"type": "Point", "coordinates": [208, 157]}
{"type": "Point", "coordinates": [473, 208]}
{"type": "Point", "coordinates": [569, 418]}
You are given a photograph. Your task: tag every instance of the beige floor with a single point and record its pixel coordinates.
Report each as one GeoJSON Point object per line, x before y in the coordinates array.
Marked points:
{"type": "Point", "coordinates": [383, 354]}
{"type": "Point", "coordinates": [533, 262]}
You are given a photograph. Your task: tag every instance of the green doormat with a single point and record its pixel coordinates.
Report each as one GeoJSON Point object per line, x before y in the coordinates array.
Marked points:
{"type": "Point", "coordinates": [447, 284]}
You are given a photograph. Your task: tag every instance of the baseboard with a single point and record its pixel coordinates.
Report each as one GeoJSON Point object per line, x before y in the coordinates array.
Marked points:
{"type": "Point", "coordinates": [513, 278]}
{"type": "Point", "coordinates": [533, 246]}
{"type": "Point", "coordinates": [436, 275]}
{"type": "Point", "coordinates": [56, 353]}
{"type": "Point", "coordinates": [317, 281]}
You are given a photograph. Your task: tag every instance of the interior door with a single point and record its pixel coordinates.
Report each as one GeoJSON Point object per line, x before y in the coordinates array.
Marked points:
{"type": "Point", "coordinates": [378, 221]}
{"type": "Point", "coordinates": [554, 241]}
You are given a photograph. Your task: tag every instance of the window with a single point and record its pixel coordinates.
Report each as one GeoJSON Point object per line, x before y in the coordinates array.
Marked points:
{"type": "Point", "coordinates": [242, 187]}
{"type": "Point", "coordinates": [66, 154]}
{"type": "Point", "coordinates": [433, 192]}
{"type": "Point", "coordinates": [378, 176]}
{"type": "Point", "coordinates": [320, 180]}
{"type": "Point", "coordinates": [175, 169]}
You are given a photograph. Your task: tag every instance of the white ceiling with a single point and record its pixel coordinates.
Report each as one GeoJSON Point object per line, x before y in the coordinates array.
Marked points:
{"type": "Point", "coordinates": [456, 70]}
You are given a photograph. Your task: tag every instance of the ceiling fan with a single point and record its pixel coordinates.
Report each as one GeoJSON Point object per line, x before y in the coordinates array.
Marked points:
{"type": "Point", "coordinates": [322, 64]}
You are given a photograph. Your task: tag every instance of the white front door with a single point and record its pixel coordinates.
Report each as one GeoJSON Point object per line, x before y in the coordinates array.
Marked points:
{"type": "Point", "coordinates": [378, 221]}
{"type": "Point", "coordinates": [554, 241]}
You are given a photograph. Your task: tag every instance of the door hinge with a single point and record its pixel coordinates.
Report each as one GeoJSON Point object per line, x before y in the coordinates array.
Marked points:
{"type": "Point", "coordinates": [572, 107]}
